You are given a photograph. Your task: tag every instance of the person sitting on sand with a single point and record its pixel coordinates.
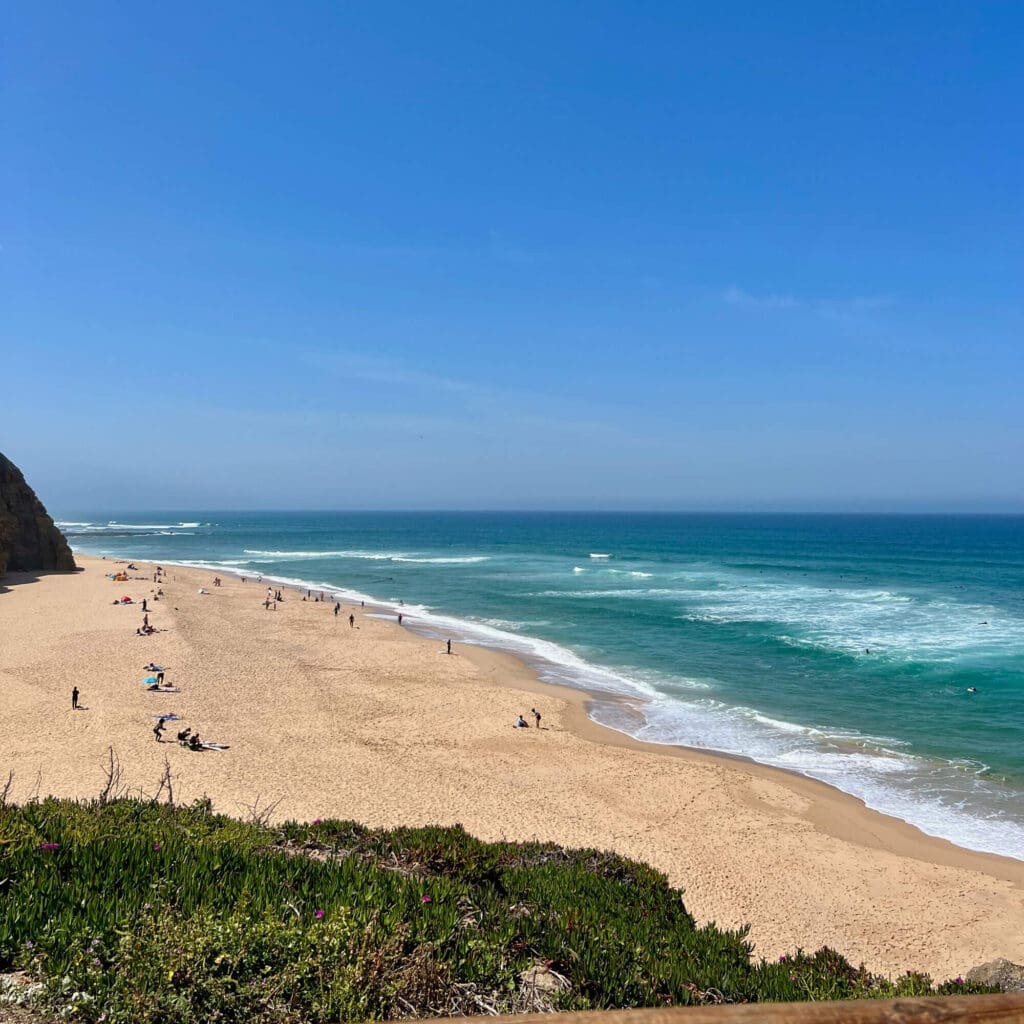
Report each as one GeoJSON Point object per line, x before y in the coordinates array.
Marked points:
{"type": "Point", "coordinates": [184, 735]}
{"type": "Point", "coordinates": [521, 723]}
{"type": "Point", "coordinates": [194, 742]}
{"type": "Point", "coordinates": [157, 670]}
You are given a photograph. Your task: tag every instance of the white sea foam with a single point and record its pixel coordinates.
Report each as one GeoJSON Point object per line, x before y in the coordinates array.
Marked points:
{"type": "Point", "coordinates": [904, 626]}
{"type": "Point", "coordinates": [578, 569]}
{"type": "Point", "coordinates": [951, 800]}
{"type": "Point", "coordinates": [852, 621]}
{"type": "Point", "coordinates": [598, 554]}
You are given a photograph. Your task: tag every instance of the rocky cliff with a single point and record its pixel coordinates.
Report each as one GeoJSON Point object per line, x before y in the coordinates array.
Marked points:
{"type": "Point", "coordinates": [28, 539]}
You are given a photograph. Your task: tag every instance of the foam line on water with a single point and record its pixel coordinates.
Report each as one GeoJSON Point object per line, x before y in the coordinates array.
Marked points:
{"type": "Point", "coordinates": [373, 556]}
{"type": "Point", "coordinates": [946, 799]}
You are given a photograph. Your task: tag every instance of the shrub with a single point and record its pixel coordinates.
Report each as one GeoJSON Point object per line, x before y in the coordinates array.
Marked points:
{"type": "Point", "coordinates": [135, 911]}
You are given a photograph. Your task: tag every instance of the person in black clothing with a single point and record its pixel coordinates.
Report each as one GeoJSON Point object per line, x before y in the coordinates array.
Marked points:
{"type": "Point", "coordinates": [74, 698]}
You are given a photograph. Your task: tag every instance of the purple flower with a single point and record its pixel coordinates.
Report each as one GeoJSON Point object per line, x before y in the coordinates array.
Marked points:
{"type": "Point", "coordinates": [319, 915]}
{"type": "Point", "coordinates": [792, 977]}
{"type": "Point", "coordinates": [318, 821]}
{"type": "Point", "coordinates": [425, 899]}
{"type": "Point", "coordinates": [782, 959]}
{"type": "Point", "coordinates": [156, 846]}
{"type": "Point", "coordinates": [49, 846]}
{"type": "Point", "coordinates": [147, 906]}
{"type": "Point", "coordinates": [958, 981]}
{"type": "Point", "coordinates": [95, 961]}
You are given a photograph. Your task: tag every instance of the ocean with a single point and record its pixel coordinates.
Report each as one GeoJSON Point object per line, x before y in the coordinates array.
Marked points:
{"type": "Point", "coordinates": [839, 647]}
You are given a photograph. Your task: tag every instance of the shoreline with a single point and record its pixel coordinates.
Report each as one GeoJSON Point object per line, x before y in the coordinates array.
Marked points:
{"type": "Point", "coordinates": [586, 724]}
{"type": "Point", "coordinates": [317, 715]}
{"type": "Point", "coordinates": [859, 823]}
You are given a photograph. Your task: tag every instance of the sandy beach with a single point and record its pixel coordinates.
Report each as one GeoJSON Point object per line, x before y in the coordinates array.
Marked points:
{"type": "Point", "coordinates": [374, 723]}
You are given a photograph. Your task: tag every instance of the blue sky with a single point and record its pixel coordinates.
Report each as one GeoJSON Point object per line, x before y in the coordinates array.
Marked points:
{"type": "Point", "coordinates": [533, 254]}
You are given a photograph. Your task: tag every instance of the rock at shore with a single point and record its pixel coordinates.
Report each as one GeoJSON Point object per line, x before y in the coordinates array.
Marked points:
{"type": "Point", "coordinates": [1007, 975]}
{"type": "Point", "coordinates": [29, 541]}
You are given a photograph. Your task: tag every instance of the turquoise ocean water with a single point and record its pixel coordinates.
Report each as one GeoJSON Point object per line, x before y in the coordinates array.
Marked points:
{"type": "Point", "coordinates": [841, 647]}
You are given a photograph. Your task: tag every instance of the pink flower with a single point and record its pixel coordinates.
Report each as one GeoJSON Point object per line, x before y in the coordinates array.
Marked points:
{"type": "Point", "coordinates": [425, 899]}
{"type": "Point", "coordinates": [156, 846]}
{"type": "Point", "coordinates": [319, 915]}
{"type": "Point", "coordinates": [49, 846]}
{"type": "Point", "coordinates": [318, 821]}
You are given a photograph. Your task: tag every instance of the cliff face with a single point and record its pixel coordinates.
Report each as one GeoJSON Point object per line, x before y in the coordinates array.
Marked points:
{"type": "Point", "coordinates": [28, 539]}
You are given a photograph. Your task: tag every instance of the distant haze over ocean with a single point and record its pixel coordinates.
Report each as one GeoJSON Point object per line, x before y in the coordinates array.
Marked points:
{"type": "Point", "coordinates": [838, 646]}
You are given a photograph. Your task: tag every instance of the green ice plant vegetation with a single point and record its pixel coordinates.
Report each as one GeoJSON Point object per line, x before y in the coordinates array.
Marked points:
{"type": "Point", "coordinates": [129, 910]}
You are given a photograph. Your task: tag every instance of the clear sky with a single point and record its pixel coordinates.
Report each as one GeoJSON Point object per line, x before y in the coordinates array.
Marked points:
{"type": "Point", "coordinates": [518, 254]}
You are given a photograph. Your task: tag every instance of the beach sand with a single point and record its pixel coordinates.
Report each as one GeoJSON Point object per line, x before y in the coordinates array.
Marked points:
{"type": "Point", "coordinates": [377, 724]}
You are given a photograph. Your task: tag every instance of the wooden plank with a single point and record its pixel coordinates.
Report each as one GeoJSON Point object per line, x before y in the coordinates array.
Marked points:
{"type": "Point", "coordinates": [1005, 1008]}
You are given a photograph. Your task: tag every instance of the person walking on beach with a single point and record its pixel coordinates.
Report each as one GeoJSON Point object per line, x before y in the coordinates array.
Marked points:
{"type": "Point", "coordinates": [74, 698]}
{"type": "Point", "coordinates": [158, 730]}
{"type": "Point", "coordinates": [399, 618]}
{"type": "Point", "coordinates": [449, 647]}
{"type": "Point", "coordinates": [536, 716]}
{"type": "Point", "coordinates": [337, 608]}
{"type": "Point", "coordinates": [351, 620]}
{"type": "Point", "coordinates": [145, 621]}
{"type": "Point", "coordinates": [144, 604]}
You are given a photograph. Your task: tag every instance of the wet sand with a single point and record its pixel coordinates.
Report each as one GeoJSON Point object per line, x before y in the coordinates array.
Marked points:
{"type": "Point", "coordinates": [377, 724]}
